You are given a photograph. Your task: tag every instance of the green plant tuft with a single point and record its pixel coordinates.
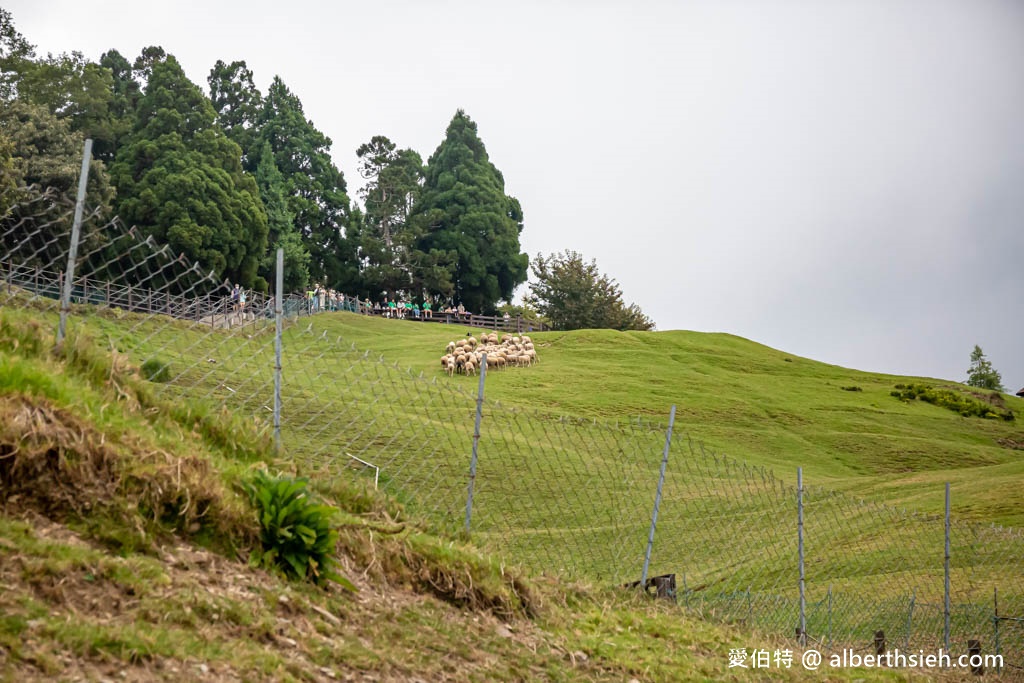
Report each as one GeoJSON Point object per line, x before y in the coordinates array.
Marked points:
{"type": "Point", "coordinates": [156, 370]}
{"type": "Point", "coordinates": [952, 400]}
{"type": "Point", "coordinates": [297, 532]}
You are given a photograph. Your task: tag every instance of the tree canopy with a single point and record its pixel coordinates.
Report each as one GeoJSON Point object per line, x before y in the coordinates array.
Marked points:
{"type": "Point", "coordinates": [226, 177]}
{"type": "Point", "coordinates": [981, 373]}
{"type": "Point", "coordinates": [180, 178]}
{"type": "Point", "coordinates": [463, 210]}
{"type": "Point", "coordinates": [573, 294]}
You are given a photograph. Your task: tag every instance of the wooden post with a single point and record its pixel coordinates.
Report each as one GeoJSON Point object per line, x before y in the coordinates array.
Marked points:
{"type": "Point", "coordinates": [974, 652]}
{"type": "Point", "coordinates": [879, 642]}
{"type": "Point", "coordinates": [108, 293]}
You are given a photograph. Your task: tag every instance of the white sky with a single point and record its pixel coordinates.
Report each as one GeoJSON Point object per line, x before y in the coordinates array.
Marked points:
{"type": "Point", "coordinates": [843, 180]}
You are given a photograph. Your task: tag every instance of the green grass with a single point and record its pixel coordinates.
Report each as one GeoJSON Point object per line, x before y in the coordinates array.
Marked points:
{"type": "Point", "coordinates": [550, 493]}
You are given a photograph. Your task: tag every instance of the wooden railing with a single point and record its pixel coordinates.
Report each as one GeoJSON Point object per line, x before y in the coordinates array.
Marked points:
{"type": "Point", "coordinates": [211, 307]}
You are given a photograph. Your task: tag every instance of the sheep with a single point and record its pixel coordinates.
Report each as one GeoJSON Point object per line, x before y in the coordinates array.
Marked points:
{"type": "Point", "coordinates": [527, 340]}
{"type": "Point", "coordinates": [450, 348]}
{"type": "Point", "coordinates": [450, 366]}
{"type": "Point", "coordinates": [470, 367]}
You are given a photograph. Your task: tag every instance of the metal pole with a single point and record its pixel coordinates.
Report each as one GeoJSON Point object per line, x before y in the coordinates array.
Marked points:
{"type": "Point", "coordinates": [476, 441]}
{"type": "Point", "coordinates": [76, 229]}
{"type": "Point", "coordinates": [278, 320]}
{"type": "Point", "coordinates": [657, 499]}
{"type": "Point", "coordinates": [828, 639]}
{"type": "Point", "coordinates": [995, 626]}
{"type": "Point", "coordinates": [910, 619]}
{"type": "Point", "coordinates": [945, 610]}
{"type": "Point", "coordinates": [800, 552]}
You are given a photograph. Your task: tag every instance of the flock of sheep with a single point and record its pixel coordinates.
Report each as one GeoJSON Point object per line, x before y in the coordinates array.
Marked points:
{"type": "Point", "coordinates": [467, 355]}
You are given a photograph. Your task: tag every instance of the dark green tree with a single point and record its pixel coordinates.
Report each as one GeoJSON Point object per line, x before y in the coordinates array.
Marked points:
{"type": "Point", "coordinates": [393, 178]}
{"type": "Point", "coordinates": [15, 50]}
{"type": "Point", "coordinates": [316, 188]}
{"type": "Point", "coordinates": [573, 294]}
{"type": "Point", "coordinates": [463, 209]}
{"type": "Point", "coordinates": [281, 228]}
{"type": "Point", "coordinates": [981, 373]}
{"type": "Point", "coordinates": [180, 178]}
{"type": "Point", "coordinates": [124, 99]}
{"type": "Point", "coordinates": [237, 103]}
{"type": "Point", "coordinates": [42, 151]}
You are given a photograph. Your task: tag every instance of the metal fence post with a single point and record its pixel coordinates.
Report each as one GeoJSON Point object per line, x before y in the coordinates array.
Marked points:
{"type": "Point", "coordinates": [945, 564]}
{"type": "Point", "coordinates": [476, 442]}
{"type": "Point", "coordinates": [910, 619]}
{"type": "Point", "coordinates": [76, 229]}
{"type": "Point", "coordinates": [657, 499]}
{"type": "Point", "coordinates": [800, 552]}
{"type": "Point", "coordinates": [278, 319]}
{"type": "Point", "coordinates": [995, 627]}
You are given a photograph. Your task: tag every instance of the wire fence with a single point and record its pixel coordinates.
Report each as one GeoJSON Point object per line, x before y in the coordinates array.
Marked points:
{"type": "Point", "coordinates": [557, 494]}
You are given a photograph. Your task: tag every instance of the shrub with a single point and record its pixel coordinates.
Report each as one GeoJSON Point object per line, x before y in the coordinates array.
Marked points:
{"type": "Point", "coordinates": [952, 400]}
{"type": "Point", "coordinates": [297, 531]}
{"type": "Point", "coordinates": [156, 370]}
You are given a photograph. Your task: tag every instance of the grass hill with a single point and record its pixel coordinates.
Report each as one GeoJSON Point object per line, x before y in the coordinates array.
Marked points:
{"type": "Point", "coordinates": [124, 534]}
{"type": "Point", "coordinates": [757, 404]}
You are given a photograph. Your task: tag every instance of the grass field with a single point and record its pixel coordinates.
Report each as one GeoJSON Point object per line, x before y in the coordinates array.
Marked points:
{"type": "Point", "coordinates": [576, 494]}
{"type": "Point", "coordinates": [123, 536]}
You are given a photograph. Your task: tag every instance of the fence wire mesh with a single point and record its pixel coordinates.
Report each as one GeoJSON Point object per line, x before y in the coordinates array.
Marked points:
{"type": "Point", "coordinates": [553, 493]}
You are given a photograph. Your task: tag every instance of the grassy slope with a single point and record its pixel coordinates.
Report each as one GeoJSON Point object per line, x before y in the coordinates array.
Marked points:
{"type": "Point", "coordinates": [755, 403]}
{"type": "Point", "coordinates": [107, 570]}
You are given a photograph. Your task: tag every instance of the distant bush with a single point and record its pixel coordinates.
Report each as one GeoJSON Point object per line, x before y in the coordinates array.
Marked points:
{"type": "Point", "coordinates": [952, 400]}
{"type": "Point", "coordinates": [851, 388]}
{"type": "Point", "coordinates": [297, 531]}
{"type": "Point", "coordinates": [156, 370]}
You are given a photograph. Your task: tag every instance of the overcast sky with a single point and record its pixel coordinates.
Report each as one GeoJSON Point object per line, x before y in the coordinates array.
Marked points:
{"type": "Point", "coordinates": [843, 180]}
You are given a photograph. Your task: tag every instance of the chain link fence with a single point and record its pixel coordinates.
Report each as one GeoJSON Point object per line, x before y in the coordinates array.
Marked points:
{"type": "Point", "coordinates": [557, 494]}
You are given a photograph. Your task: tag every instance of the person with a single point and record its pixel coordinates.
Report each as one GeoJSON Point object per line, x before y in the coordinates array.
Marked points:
{"type": "Point", "coordinates": [392, 309]}
{"type": "Point", "coordinates": [241, 300]}
{"type": "Point", "coordinates": [309, 301]}
{"type": "Point", "coordinates": [427, 313]}
{"type": "Point", "coordinates": [234, 297]}
{"type": "Point", "coordinates": [415, 310]}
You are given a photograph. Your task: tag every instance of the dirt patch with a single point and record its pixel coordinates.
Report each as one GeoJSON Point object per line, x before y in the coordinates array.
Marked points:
{"type": "Point", "coordinates": [57, 464]}
{"type": "Point", "coordinates": [51, 460]}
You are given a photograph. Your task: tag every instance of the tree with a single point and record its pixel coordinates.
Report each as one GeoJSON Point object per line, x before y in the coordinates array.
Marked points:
{"type": "Point", "coordinates": [315, 187]}
{"type": "Point", "coordinates": [463, 211]}
{"type": "Point", "coordinates": [393, 177]}
{"type": "Point", "coordinates": [281, 229]}
{"type": "Point", "coordinates": [237, 102]}
{"type": "Point", "coordinates": [125, 95]}
{"type": "Point", "coordinates": [40, 150]}
{"type": "Point", "coordinates": [573, 294]}
{"type": "Point", "coordinates": [981, 373]}
{"type": "Point", "coordinates": [180, 178]}
{"type": "Point", "coordinates": [14, 52]}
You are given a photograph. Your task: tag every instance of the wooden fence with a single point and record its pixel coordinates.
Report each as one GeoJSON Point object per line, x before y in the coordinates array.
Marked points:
{"type": "Point", "coordinates": [213, 307]}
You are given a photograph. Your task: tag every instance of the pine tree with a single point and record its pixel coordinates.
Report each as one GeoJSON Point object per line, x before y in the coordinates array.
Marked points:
{"type": "Point", "coordinates": [281, 229]}
{"type": "Point", "coordinates": [315, 187]}
{"type": "Point", "coordinates": [180, 178]}
{"type": "Point", "coordinates": [981, 373]}
{"type": "Point", "coordinates": [573, 294]}
{"type": "Point", "coordinates": [463, 211]}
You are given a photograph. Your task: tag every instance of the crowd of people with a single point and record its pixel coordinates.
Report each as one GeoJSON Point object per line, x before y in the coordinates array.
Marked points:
{"type": "Point", "coordinates": [320, 299]}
